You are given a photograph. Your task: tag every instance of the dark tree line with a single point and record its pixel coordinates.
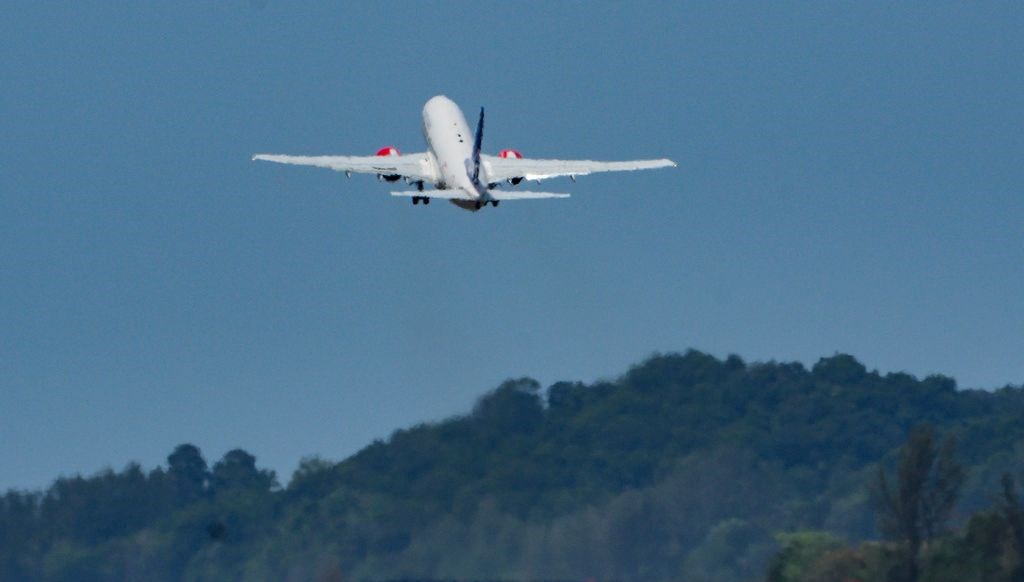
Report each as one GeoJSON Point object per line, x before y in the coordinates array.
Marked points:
{"type": "Point", "coordinates": [687, 466]}
{"type": "Point", "coordinates": [43, 535]}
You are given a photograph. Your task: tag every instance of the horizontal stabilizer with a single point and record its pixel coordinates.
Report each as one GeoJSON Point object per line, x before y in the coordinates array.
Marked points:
{"type": "Point", "coordinates": [460, 194]}
{"type": "Point", "coordinates": [452, 194]}
{"type": "Point", "coordinates": [524, 195]}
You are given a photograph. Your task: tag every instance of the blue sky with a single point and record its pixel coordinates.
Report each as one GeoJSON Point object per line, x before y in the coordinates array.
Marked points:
{"type": "Point", "coordinates": [849, 180]}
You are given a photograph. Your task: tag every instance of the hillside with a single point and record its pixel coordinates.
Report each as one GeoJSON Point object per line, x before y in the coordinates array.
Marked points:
{"type": "Point", "coordinates": [686, 466]}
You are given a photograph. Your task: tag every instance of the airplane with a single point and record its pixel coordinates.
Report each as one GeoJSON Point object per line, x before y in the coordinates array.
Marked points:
{"type": "Point", "coordinates": [454, 166]}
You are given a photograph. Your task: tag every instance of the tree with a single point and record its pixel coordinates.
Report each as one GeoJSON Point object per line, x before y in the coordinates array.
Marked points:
{"type": "Point", "coordinates": [840, 369]}
{"type": "Point", "coordinates": [188, 473]}
{"type": "Point", "coordinates": [928, 483]}
{"type": "Point", "coordinates": [18, 529]}
{"type": "Point", "coordinates": [237, 470]}
{"type": "Point", "coordinates": [1013, 513]}
{"type": "Point", "coordinates": [513, 407]}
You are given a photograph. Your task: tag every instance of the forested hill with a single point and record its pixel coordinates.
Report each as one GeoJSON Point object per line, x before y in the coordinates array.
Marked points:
{"type": "Point", "coordinates": [686, 467]}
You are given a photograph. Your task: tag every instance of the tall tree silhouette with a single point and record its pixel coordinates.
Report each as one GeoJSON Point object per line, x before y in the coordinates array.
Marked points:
{"type": "Point", "coordinates": [1013, 512]}
{"type": "Point", "coordinates": [917, 507]}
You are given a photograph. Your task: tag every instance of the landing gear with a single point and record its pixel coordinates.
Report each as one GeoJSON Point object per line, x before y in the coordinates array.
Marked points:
{"type": "Point", "coordinates": [418, 199]}
{"type": "Point", "coordinates": [415, 200]}
{"type": "Point", "coordinates": [479, 204]}
{"type": "Point", "coordinates": [494, 203]}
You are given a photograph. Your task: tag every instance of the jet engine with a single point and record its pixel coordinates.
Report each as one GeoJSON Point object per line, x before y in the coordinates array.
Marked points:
{"type": "Point", "coordinates": [515, 155]}
{"type": "Point", "coordinates": [388, 151]}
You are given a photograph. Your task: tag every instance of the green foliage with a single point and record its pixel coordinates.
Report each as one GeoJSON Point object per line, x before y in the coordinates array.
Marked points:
{"type": "Point", "coordinates": [841, 369]}
{"type": "Point", "coordinates": [237, 474]}
{"type": "Point", "coordinates": [685, 467]}
{"type": "Point", "coordinates": [188, 474]}
{"type": "Point", "coordinates": [800, 554]}
{"type": "Point", "coordinates": [979, 553]}
{"type": "Point", "coordinates": [974, 555]}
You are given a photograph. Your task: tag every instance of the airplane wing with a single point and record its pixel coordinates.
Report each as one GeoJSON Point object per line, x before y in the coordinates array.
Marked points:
{"type": "Point", "coordinates": [413, 166]}
{"type": "Point", "coordinates": [503, 168]}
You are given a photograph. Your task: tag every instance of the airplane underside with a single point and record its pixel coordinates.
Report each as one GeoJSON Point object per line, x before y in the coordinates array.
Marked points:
{"type": "Point", "coordinates": [470, 205]}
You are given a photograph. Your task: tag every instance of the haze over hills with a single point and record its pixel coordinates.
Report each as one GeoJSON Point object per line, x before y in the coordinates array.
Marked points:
{"type": "Point", "coordinates": [686, 466]}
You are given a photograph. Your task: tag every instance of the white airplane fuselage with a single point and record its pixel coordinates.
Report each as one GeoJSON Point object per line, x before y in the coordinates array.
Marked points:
{"type": "Point", "coordinates": [450, 147]}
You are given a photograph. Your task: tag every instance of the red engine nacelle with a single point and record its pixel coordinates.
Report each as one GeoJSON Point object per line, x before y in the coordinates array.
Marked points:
{"type": "Point", "coordinates": [514, 154]}
{"type": "Point", "coordinates": [389, 151]}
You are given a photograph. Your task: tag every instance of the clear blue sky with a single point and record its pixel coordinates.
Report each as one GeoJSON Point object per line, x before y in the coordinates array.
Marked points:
{"type": "Point", "coordinates": [850, 179]}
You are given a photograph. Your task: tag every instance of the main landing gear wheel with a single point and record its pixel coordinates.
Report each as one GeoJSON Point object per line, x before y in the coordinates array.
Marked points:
{"type": "Point", "coordinates": [426, 200]}
{"type": "Point", "coordinates": [415, 200]}
{"type": "Point", "coordinates": [494, 203]}
{"type": "Point", "coordinates": [478, 204]}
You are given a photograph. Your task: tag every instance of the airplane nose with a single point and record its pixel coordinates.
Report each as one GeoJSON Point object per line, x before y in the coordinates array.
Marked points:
{"type": "Point", "coordinates": [437, 100]}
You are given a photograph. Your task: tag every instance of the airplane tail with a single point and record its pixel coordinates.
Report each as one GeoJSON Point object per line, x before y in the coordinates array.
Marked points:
{"type": "Point", "coordinates": [477, 143]}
